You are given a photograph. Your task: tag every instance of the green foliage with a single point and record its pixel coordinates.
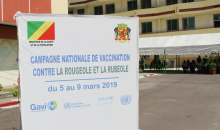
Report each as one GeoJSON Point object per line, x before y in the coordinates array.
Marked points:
{"type": "Point", "coordinates": [140, 70]}
{"type": "Point", "coordinates": [211, 62]}
{"type": "Point", "coordinates": [1, 87]}
{"type": "Point", "coordinates": [16, 86]}
{"type": "Point", "coordinates": [15, 93]}
{"type": "Point", "coordinates": [212, 65]}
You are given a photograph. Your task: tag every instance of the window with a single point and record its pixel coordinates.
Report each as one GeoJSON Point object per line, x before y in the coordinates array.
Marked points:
{"type": "Point", "coordinates": [145, 4]}
{"type": "Point", "coordinates": [146, 27]}
{"type": "Point", "coordinates": [186, 1]}
{"type": "Point", "coordinates": [132, 5]}
{"type": "Point", "coordinates": [70, 12]}
{"type": "Point", "coordinates": [173, 25]}
{"type": "Point", "coordinates": [80, 11]}
{"type": "Point", "coordinates": [217, 20]}
{"type": "Point", "coordinates": [98, 10]}
{"type": "Point", "coordinates": [171, 2]}
{"type": "Point", "coordinates": [110, 8]}
{"type": "Point", "coordinates": [188, 23]}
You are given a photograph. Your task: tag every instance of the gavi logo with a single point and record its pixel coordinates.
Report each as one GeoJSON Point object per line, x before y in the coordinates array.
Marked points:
{"type": "Point", "coordinates": [51, 105]}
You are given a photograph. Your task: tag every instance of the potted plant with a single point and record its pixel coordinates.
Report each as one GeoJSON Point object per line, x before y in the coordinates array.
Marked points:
{"type": "Point", "coordinates": [1, 87]}
{"type": "Point", "coordinates": [212, 67]}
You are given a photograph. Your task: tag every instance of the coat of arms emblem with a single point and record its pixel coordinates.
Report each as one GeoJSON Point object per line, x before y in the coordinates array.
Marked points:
{"type": "Point", "coordinates": [122, 33]}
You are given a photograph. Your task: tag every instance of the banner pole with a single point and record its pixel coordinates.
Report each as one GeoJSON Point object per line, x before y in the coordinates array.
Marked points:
{"type": "Point", "coordinates": [176, 62]}
{"type": "Point", "coordinates": [18, 70]}
{"type": "Point", "coordinates": [165, 64]}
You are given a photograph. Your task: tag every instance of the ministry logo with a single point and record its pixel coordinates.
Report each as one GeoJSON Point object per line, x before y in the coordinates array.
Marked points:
{"type": "Point", "coordinates": [125, 99]}
{"type": "Point", "coordinates": [52, 105]}
{"type": "Point", "coordinates": [41, 33]}
{"type": "Point", "coordinates": [40, 30]}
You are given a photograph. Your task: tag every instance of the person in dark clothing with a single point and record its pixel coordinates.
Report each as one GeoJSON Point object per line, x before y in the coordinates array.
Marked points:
{"type": "Point", "coordinates": [184, 66]}
{"type": "Point", "coordinates": [193, 66]}
{"type": "Point", "coordinates": [159, 65]}
{"type": "Point", "coordinates": [188, 64]}
{"type": "Point", "coordinates": [205, 64]}
{"type": "Point", "coordinates": [164, 62]}
{"type": "Point", "coordinates": [151, 64]}
{"type": "Point", "coordinates": [205, 59]}
{"type": "Point", "coordinates": [199, 59]}
{"type": "Point", "coordinates": [218, 65]}
{"type": "Point", "coordinates": [159, 62]}
{"type": "Point", "coordinates": [200, 64]}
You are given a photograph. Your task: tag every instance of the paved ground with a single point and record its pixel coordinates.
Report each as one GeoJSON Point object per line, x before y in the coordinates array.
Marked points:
{"type": "Point", "coordinates": [167, 102]}
{"type": "Point", "coordinates": [180, 102]}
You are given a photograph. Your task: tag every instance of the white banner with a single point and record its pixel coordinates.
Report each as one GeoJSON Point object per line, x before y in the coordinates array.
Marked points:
{"type": "Point", "coordinates": [78, 72]}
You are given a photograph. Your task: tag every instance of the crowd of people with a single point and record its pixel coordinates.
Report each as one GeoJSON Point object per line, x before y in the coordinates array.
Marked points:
{"type": "Point", "coordinates": [154, 64]}
{"type": "Point", "coordinates": [201, 64]}
{"type": "Point", "coordinates": [157, 65]}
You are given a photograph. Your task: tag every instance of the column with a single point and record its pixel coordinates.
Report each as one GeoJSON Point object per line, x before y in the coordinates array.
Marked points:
{"type": "Point", "coordinates": [139, 4]}
{"type": "Point", "coordinates": [159, 29]}
{"type": "Point", "coordinates": [87, 10]}
{"type": "Point", "coordinates": [158, 3]}
{"type": "Point", "coordinates": [104, 10]}
{"type": "Point", "coordinates": [74, 11]}
{"type": "Point", "coordinates": [180, 23]}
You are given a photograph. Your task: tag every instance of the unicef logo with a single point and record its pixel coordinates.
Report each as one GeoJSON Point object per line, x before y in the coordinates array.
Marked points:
{"type": "Point", "coordinates": [67, 105]}
{"type": "Point", "coordinates": [52, 105]}
{"type": "Point", "coordinates": [125, 99]}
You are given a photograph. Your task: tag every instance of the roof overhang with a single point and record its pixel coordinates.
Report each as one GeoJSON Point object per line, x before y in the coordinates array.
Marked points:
{"type": "Point", "coordinates": [8, 23]}
{"type": "Point", "coordinates": [78, 3]}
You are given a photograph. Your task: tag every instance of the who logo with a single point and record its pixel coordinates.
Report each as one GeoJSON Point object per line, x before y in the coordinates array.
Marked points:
{"type": "Point", "coordinates": [67, 105]}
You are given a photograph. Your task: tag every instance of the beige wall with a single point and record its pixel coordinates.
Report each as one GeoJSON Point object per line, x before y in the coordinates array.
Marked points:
{"type": "Point", "coordinates": [163, 3]}
{"type": "Point", "coordinates": [121, 5]}
{"type": "Point", "coordinates": [204, 21]}
{"type": "Point", "coordinates": [203, 18]}
{"type": "Point", "coordinates": [163, 25]}
{"type": "Point", "coordinates": [59, 6]}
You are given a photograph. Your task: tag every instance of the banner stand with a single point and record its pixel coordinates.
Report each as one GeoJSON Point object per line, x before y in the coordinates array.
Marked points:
{"type": "Point", "coordinates": [19, 102]}
{"type": "Point", "coordinates": [81, 85]}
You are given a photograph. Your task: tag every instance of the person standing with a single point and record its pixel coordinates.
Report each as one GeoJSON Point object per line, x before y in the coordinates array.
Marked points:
{"type": "Point", "coordinates": [143, 63]}
{"type": "Point", "coordinates": [200, 64]}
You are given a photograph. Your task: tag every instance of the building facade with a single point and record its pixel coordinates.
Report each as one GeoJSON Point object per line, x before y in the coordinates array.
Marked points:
{"type": "Point", "coordinates": [8, 31]}
{"type": "Point", "coordinates": [158, 18]}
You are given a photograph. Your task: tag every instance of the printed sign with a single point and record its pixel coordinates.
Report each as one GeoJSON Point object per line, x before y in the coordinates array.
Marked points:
{"type": "Point", "coordinates": [78, 72]}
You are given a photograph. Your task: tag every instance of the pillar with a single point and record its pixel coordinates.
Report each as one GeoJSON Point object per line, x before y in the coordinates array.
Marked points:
{"type": "Point", "coordinates": [158, 3]}
{"type": "Point", "coordinates": [87, 10]}
{"type": "Point", "coordinates": [159, 30]}
{"type": "Point", "coordinates": [180, 23]}
{"type": "Point", "coordinates": [139, 4]}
